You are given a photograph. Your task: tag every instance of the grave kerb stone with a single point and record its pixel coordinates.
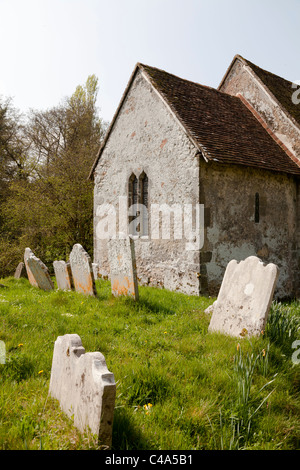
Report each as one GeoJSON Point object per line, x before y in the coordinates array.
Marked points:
{"type": "Point", "coordinates": [84, 387]}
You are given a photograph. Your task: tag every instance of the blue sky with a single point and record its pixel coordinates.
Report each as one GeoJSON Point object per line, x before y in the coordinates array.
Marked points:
{"type": "Point", "coordinates": [48, 47]}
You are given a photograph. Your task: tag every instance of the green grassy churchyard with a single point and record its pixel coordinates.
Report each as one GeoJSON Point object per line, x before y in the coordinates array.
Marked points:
{"type": "Point", "coordinates": [179, 387]}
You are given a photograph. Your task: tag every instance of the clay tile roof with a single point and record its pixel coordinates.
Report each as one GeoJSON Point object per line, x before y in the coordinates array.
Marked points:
{"type": "Point", "coordinates": [282, 89]}
{"type": "Point", "coordinates": [224, 129]}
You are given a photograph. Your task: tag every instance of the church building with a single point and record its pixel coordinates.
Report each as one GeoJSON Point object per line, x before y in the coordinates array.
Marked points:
{"type": "Point", "coordinates": [199, 176]}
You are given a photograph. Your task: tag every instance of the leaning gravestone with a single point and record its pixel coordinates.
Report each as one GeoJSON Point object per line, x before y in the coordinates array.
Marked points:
{"type": "Point", "coordinates": [37, 271]}
{"type": "Point", "coordinates": [84, 387]}
{"type": "Point", "coordinates": [30, 276]}
{"type": "Point", "coordinates": [20, 271]}
{"type": "Point", "coordinates": [245, 297]}
{"type": "Point", "coordinates": [82, 272]}
{"type": "Point", "coordinates": [63, 275]}
{"type": "Point", "coordinates": [122, 263]}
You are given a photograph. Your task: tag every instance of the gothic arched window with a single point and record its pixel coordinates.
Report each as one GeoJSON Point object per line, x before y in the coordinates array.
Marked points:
{"type": "Point", "coordinates": [133, 199]}
{"type": "Point", "coordinates": [144, 203]}
{"type": "Point", "coordinates": [138, 204]}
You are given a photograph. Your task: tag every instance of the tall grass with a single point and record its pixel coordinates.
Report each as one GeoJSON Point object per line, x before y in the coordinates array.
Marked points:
{"type": "Point", "coordinates": [178, 386]}
{"type": "Point", "coordinates": [283, 326]}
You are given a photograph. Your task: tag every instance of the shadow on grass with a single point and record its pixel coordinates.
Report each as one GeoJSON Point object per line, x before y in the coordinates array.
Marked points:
{"type": "Point", "coordinates": [153, 306]}
{"type": "Point", "coordinates": [127, 436]}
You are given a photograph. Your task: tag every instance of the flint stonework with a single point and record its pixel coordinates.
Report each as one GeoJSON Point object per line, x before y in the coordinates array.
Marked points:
{"type": "Point", "coordinates": [123, 267]}
{"type": "Point", "coordinates": [63, 275]}
{"type": "Point", "coordinates": [245, 297]}
{"type": "Point", "coordinates": [37, 271]}
{"type": "Point", "coordinates": [82, 272]}
{"type": "Point", "coordinates": [84, 387]}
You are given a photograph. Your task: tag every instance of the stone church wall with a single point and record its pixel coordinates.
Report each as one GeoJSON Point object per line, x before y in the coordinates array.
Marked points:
{"type": "Point", "coordinates": [235, 228]}
{"type": "Point", "coordinates": [146, 137]}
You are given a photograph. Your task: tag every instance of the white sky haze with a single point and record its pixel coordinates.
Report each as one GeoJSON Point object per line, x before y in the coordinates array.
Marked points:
{"type": "Point", "coordinates": [48, 47]}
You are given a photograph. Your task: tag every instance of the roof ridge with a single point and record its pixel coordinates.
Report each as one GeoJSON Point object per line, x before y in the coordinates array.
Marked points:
{"type": "Point", "coordinates": [173, 88]}
{"type": "Point", "coordinates": [251, 64]}
{"type": "Point", "coordinates": [144, 66]}
{"type": "Point", "coordinates": [217, 123]}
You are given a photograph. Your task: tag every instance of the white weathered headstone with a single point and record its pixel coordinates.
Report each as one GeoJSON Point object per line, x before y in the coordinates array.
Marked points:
{"type": "Point", "coordinates": [63, 275]}
{"type": "Point", "coordinates": [245, 297]}
{"type": "Point", "coordinates": [84, 386]}
{"type": "Point", "coordinates": [82, 272]}
{"type": "Point", "coordinates": [37, 271]}
{"type": "Point", "coordinates": [122, 263]}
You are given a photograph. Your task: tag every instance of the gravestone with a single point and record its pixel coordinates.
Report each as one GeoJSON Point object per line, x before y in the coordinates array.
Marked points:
{"type": "Point", "coordinates": [30, 276]}
{"type": "Point", "coordinates": [122, 263]}
{"type": "Point", "coordinates": [63, 275]}
{"type": "Point", "coordinates": [2, 352]}
{"type": "Point", "coordinates": [20, 271]}
{"type": "Point", "coordinates": [245, 297]}
{"type": "Point", "coordinates": [82, 271]}
{"type": "Point", "coordinates": [37, 271]}
{"type": "Point", "coordinates": [95, 267]}
{"type": "Point", "coordinates": [84, 387]}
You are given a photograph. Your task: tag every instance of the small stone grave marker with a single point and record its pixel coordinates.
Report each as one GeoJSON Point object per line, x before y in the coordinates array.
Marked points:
{"type": "Point", "coordinates": [2, 352]}
{"type": "Point", "coordinates": [245, 297]}
{"type": "Point", "coordinates": [95, 267]}
{"type": "Point", "coordinates": [84, 387]}
{"type": "Point", "coordinates": [122, 263]}
{"type": "Point", "coordinates": [20, 271]}
{"type": "Point", "coordinates": [30, 276]}
{"type": "Point", "coordinates": [82, 272]}
{"type": "Point", "coordinates": [63, 275]}
{"type": "Point", "coordinates": [37, 271]}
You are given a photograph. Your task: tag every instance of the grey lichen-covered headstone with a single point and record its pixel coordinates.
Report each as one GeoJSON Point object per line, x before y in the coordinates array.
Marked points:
{"type": "Point", "coordinates": [20, 271]}
{"type": "Point", "coordinates": [82, 272]}
{"type": "Point", "coordinates": [37, 272]}
{"type": "Point", "coordinates": [63, 275]}
{"type": "Point", "coordinates": [84, 386]}
{"type": "Point", "coordinates": [122, 263]}
{"type": "Point", "coordinates": [245, 297]}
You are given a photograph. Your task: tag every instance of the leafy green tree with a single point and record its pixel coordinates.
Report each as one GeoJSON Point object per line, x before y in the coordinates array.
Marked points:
{"type": "Point", "coordinates": [13, 167]}
{"type": "Point", "coordinates": [52, 208]}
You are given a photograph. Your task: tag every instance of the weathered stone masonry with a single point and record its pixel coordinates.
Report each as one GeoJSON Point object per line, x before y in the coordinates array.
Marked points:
{"type": "Point", "coordinates": [228, 194]}
{"type": "Point", "coordinates": [146, 137]}
{"type": "Point", "coordinates": [241, 79]}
